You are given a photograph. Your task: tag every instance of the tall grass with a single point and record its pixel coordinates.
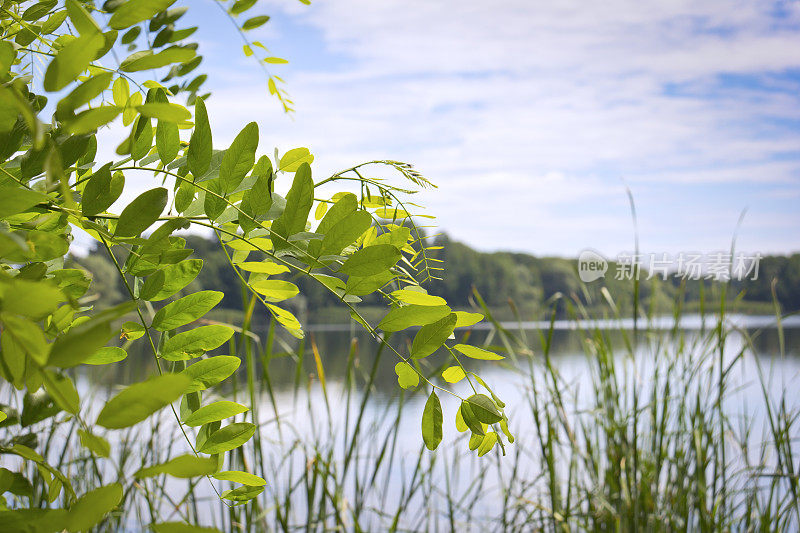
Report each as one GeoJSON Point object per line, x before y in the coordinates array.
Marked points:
{"type": "Point", "coordinates": [653, 434]}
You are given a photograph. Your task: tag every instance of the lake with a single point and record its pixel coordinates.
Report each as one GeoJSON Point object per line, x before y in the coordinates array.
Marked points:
{"type": "Point", "coordinates": [369, 453]}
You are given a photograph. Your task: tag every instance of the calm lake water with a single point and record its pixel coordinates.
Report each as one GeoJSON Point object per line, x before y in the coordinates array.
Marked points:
{"type": "Point", "coordinates": [311, 424]}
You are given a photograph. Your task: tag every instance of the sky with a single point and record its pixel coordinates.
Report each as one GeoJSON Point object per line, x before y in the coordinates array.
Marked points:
{"type": "Point", "coordinates": [533, 117]}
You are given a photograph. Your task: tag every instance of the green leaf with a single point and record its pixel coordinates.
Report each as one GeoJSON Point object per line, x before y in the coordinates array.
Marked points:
{"type": "Point", "coordinates": [33, 299]}
{"type": "Point", "coordinates": [371, 260]}
{"type": "Point", "coordinates": [101, 191]}
{"type": "Point", "coordinates": [467, 319]}
{"type": "Point", "coordinates": [275, 290]}
{"type": "Point", "coordinates": [165, 111]}
{"type": "Point", "coordinates": [146, 59]}
{"type": "Point", "coordinates": [487, 443]}
{"type": "Point", "coordinates": [168, 140]}
{"type": "Point", "coordinates": [90, 508]}
{"type": "Point", "coordinates": [239, 158]}
{"type": "Point", "coordinates": [477, 353]}
{"type": "Point", "coordinates": [15, 199]}
{"type": "Point", "coordinates": [187, 309]}
{"type": "Point", "coordinates": [194, 342]}
{"type": "Point", "coordinates": [81, 18]}
{"type": "Point", "coordinates": [344, 233]}
{"type": "Point", "coordinates": [408, 316]}
{"type": "Point", "coordinates": [245, 478]}
{"type": "Point", "coordinates": [242, 494]}
{"type": "Point", "coordinates": [469, 420]}
{"type": "Point", "coordinates": [263, 267]}
{"type": "Point", "coordinates": [213, 412]}
{"type": "Point", "coordinates": [181, 527]}
{"type": "Point", "coordinates": [407, 377]}
{"type": "Point", "coordinates": [169, 279]}
{"type": "Point", "coordinates": [298, 203]}
{"type": "Point", "coordinates": [198, 156]}
{"type": "Point", "coordinates": [91, 119]}
{"type": "Point", "coordinates": [417, 298]}
{"type": "Point", "coordinates": [432, 422]}
{"type": "Point", "coordinates": [84, 339]}
{"type": "Point", "coordinates": [97, 445]}
{"type": "Point", "coordinates": [240, 6]}
{"type": "Point", "coordinates": [142, 138]}
{"type": "Point", "coordinates": [255, 22]}
{"type": "Point", "coordinates": [211, 371]}
{"type": "Point", "coordinates": [484, 408]}
{"type": "Point", "coordinates": [139, 401]}
{"type": "Point", "coordinates": [454, 374]}
{"type": "Point", "coordinates": [344, 207]}
{"type": "Point", "coordinates": [85, 92]}
{"type": "Point", "coordinates": [227, 438]}
{"type": "Point", "coordinates": [132, 330]}
{"type": "Point", "coordinates": [361, 286]}
{"type": "Point", "coordinates": [183, 466]}
{"type": "Point", "coordinates": [294, 158]}
{"type": "Point", "coordinates": [71, 60]}
{"type": "Point", "coordinates": [431, 336]}
{"type": "Point", "coordinates": [62, 391]}
{"type": "Point", "coordinates": [135, 11]}
{"type": "Point", "coordinates": [142, 212]}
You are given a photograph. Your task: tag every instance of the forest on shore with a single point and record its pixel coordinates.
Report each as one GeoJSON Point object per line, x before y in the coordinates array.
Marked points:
{"type": "Point", "coordinates": [529, 281]}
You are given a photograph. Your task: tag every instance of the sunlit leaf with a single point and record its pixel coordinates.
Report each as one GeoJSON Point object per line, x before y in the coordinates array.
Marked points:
{"type": "Point", "coordinates": [291, 160]}
{"type": "Point", "coordinates": [466, 319]}
{"type": "Point", "coordinates": [453, 374]}
{"type": "Point", "coordinates": [215, 411]}
{"type": "Point", "coordinates": [417, 298]}
{"type": "Point", "coordinates": [371, 260]}
{"type": "Point", "coordinates": [239, 158]}
{"type": "Point", "coordinates": [477, 353]}
{"type": "Point", "coordinates": [408, 316]}
{"type": "Point", "coordinates": [245, 478]}
{"type": "Point", "coordinates": [134, 11]}
{"type": "Point", "coordinates": [407, 377]}
{"type": "Point", "coordinates": [276, 290]}
{"type": "Point", "coordinates": [431, 336]}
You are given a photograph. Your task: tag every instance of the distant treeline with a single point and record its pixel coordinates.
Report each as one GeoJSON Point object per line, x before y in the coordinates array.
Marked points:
{"type": "Point", "coordinates": [530, 282]}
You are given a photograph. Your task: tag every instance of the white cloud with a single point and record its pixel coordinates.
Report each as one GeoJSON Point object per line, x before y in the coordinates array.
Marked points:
{"type": "Point", "coordinates": [529, 114]}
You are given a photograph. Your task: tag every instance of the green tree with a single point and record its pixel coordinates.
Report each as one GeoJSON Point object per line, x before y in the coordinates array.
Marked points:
{"type": "Point", "coordinates": [349, 245]}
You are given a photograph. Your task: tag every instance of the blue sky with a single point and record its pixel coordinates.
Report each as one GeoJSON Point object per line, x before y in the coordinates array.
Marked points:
{"type": "Point", "coordinates": [532, 117]}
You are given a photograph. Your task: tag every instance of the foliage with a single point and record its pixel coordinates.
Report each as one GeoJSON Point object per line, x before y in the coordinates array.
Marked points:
{"type": "Point", "coordinates": [52, 181]}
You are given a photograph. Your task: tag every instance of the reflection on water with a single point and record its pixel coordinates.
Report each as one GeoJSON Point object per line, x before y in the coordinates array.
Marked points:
{"type": "Point", "coordinates": [300, 425]}
{"type": "Point", "coordinates": [567, 348]}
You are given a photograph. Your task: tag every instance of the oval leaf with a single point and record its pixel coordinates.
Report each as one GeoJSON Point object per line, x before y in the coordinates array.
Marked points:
{"type": "Point", "coordinates": [140, 400]}
{"type": "Point", "coordinates": [227, 438]}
